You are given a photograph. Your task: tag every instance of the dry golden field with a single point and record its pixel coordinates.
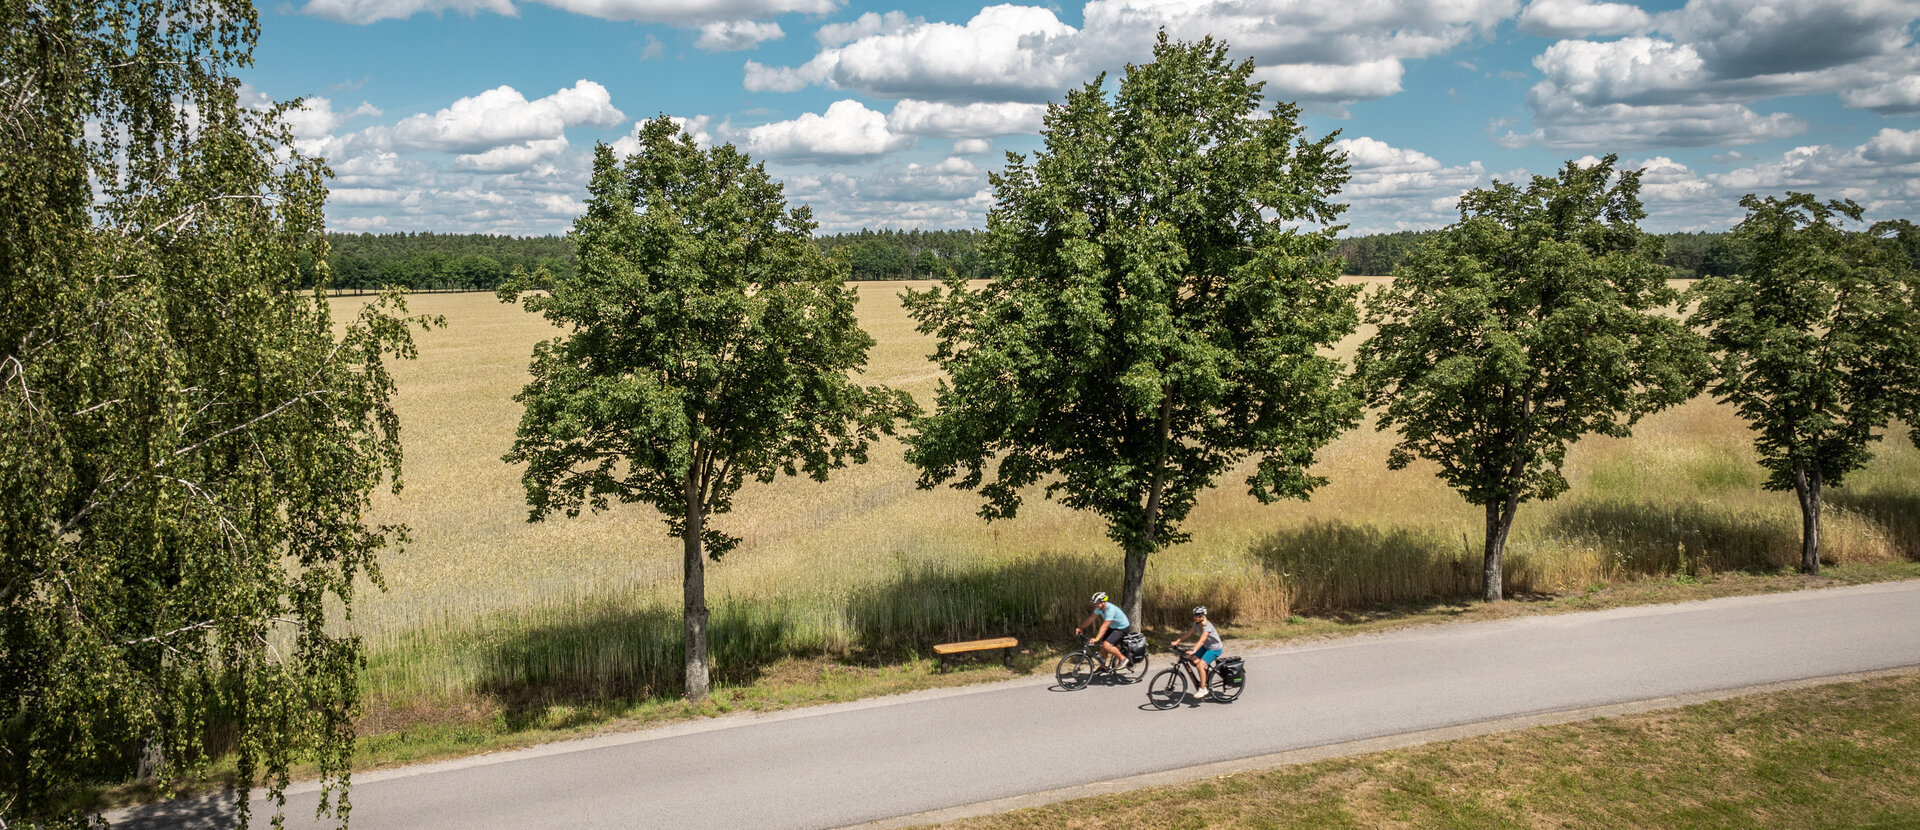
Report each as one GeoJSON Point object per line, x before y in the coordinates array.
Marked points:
{"type": "Point", "coordinates": [481, 599]}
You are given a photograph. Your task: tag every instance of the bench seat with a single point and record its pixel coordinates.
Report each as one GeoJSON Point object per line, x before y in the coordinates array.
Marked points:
{"type": "Point", "coordinates": [948, 650]}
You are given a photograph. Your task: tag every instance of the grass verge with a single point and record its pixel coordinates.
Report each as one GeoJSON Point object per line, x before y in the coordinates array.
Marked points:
{"type": "Point", "coordinates": [1842, 755]}
{"type": "Point", "coordinates": [472, 724]}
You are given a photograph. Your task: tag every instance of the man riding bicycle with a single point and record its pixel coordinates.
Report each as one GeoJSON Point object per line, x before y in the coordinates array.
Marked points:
{"type": "Point", "coordinates": [1113, 627]}
{"type": "Point", "coordinates": [1206, 646]}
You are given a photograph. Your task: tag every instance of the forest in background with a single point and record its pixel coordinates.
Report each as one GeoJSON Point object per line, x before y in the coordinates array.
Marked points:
{"type": "Point", "coordinates": [428, 261]}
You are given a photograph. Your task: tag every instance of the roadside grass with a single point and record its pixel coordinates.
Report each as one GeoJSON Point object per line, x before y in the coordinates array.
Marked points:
{"type": "Point", "coordinates": [470, 721]}
{"type": "Point", "coordinates": [1840, 755]}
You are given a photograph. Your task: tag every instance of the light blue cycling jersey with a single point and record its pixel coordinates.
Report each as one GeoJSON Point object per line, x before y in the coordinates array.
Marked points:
{"type": "Point", "coordinates": [1117, 617]}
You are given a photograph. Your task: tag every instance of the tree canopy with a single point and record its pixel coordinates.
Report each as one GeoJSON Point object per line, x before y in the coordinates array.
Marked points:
{"type": "Point", "coordinates": [1158, 317]}
{"type": "Point", "coordinates": [190, 446]}
{"type": "Point", "coordinates": [1533, 321]}
{"type": "Point", "coordinates": [1817, 341]}
{"type": "Point", "coordinates": [706, 340]}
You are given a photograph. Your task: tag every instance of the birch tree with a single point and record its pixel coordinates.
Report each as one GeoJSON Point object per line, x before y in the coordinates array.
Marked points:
{"type": "Point", "coordinates": [187, 446]}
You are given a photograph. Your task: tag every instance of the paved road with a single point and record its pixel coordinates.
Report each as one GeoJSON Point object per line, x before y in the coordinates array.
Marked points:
{"type": "Point", "coordinates": [850, 763]}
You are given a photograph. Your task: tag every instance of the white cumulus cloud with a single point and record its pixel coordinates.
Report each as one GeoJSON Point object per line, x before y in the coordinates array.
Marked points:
{"type": "Point", "coordinates": [735, 35]}
{"type": "Point", "coordinates": [502, 116]}
{"type": "Point", "coordinates": [1005, 53]}
{"type": "Point", "coordinates": [1579, 18]}
{"type": "Point", "coordinates": [964, 120]}
{"type": "Point", "coordinates": [656, 11]}
{"type": "Point", "coordinates": [847, 130]}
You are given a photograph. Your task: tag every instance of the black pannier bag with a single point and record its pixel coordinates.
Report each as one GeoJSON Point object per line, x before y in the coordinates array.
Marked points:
{"type": "Point", "coordinates": [1136, 644]}
{"type": "Point", "coordinates": [1231, 670]}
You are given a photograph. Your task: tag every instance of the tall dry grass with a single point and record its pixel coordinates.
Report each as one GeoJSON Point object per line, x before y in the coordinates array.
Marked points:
{"type": "Point", "coordinates": [870, 567]}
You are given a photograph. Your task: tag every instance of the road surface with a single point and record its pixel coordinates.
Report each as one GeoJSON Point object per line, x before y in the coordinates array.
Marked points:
{"type": "Point", "coordinates": [845, 764]}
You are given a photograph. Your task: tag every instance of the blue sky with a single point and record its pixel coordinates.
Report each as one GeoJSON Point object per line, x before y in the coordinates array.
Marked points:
{"type": "Point", "coordinates": [481, 115]}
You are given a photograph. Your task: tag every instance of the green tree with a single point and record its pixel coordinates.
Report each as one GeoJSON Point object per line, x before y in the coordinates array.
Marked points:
{"type": "Point", "coordinates": [1816, 341]}
{"type": "Point", "coordinates": [708, 340]}
{"type": "Point", "coordinates": [187, 448]}
{"type": "Point", "coordinates": [1158, 317]}
{"type": "Point", "coordinates": [1533, 321]}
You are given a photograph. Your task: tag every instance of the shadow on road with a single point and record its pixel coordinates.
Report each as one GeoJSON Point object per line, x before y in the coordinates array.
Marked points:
{"type": "Point", "coordinates": [209, 812]}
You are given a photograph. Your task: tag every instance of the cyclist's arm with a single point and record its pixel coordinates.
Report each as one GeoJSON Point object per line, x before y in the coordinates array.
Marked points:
{"type": "Point", "coordinates": [1102, 633]}
{"type": "Point", "coordinates": [1086, 623]}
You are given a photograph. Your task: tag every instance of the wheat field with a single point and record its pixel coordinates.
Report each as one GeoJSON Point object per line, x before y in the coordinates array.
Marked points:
{"type": "Point", "coordinates": [482, 600]}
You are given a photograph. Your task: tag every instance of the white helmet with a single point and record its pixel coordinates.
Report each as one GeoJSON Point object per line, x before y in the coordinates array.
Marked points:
{"type": "Point", "coordinates": [1199, 610]}
{"type": "Point", "coordinates": [1099, 597]}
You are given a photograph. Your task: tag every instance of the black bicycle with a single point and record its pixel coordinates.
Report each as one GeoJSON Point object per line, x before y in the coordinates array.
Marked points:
{"type": "Point", "coordinates": [1169, 688]}
{"type": "Point", "coordinates": [1078, 668]}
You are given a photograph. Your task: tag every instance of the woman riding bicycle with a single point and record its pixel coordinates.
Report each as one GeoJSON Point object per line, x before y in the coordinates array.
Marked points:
{"type": "Point", "coordinates": [1113, 627]}
{"type": "Point", "coordinates": [1206, 645]}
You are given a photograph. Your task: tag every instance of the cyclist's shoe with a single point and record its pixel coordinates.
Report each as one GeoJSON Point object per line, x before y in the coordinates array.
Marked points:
{"type": "Point", "coordinates": [1201, 696]}
{"type": "Point", "coordinates": [1132, 661]}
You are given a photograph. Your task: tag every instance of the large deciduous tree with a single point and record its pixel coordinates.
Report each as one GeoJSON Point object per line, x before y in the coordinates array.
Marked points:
{"type": "Point", "coordinates": [1817, 342]}
{"type": "Point", "coordinates": [706, 340]}
{"type": "Point", "coordinates": [1533, 321]}
{"type": "Point", "coordinates": [187, 444]}
{"type": "Point", "coordinates": [1160, 316]}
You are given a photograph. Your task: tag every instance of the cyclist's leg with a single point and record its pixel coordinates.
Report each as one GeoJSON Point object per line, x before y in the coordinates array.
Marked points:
{"type": "Point", "coordinates": [1202, 663]}
{"type": "Point", "coordinates": [1111, 646]}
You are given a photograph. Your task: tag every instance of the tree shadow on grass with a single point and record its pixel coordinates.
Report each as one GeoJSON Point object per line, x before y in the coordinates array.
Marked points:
{"type": "Point", "coordinates": [924, 603]}
{"type": "Point", "coordinates": [614, 657]}
{"type": "Point", "coordinates": [1680, 537]}
{"type": "Point", "coordinates": [1336, 567]}
{"type": "Point", "coordinates": [1897, 514]}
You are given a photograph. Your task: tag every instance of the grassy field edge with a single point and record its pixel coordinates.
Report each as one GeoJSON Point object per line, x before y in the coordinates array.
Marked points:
{"type": "Point", "coordinates": [1816, 754]}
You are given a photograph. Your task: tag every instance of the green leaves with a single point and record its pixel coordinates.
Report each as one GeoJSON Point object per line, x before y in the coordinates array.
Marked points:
{"type": "Point", "coordinates": [1158, 319]}
{"type": "Point", "coordinates": [190, 443]}
{"type": "Point", "coordinates": [1535, 320]}
{"type": "Point", "coordinates": [1816, 339]}
{"type": "Point", "coordinates": [707, 337]}
{"type": "Point", "coordinates": [1532, 322]}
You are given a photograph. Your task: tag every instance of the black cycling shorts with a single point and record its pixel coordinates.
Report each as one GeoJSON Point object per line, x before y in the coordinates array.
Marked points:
{"type": "Point", "coordinates": [1115, 635]}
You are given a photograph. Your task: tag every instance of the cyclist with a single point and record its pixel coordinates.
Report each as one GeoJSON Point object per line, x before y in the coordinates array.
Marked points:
{"type": "Point", "coordinates": [1113, 627]}
{"type": "Point", "coordinates": [1206, 647]}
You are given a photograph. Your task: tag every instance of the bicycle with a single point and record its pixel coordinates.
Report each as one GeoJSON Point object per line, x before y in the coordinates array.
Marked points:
{"type": "Point", "coordinates": [1078, 668]}
{"type": "Point", "coordinates": [1170, 686]}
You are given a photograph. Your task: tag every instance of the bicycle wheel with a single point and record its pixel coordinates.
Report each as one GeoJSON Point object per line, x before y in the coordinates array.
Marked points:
{"type": "Point", "coordinates": [1132, 675]}
{"type": "Point", "coordinates": [1168, 688]}
{"type": "Point", "coordinates": [1218, 689]}
{"type": "Point", "coordinates": [1074, 670]}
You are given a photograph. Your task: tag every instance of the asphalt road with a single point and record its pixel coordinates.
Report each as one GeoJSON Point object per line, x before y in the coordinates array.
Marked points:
{"type": "Point", "coordinates": [844, 764]}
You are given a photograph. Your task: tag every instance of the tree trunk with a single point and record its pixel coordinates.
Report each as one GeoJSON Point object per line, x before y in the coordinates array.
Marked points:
{"type": "Point", "coordinates": [1499, 521]}
{"type": "Point", "coordinates": [695, 593]}
{"type": "Point", "coordinates": [1136, 573]}
{"type": "Point", "coordinates": [152, 759]}
{"type": "Point", "coordinates": [1806, 485]}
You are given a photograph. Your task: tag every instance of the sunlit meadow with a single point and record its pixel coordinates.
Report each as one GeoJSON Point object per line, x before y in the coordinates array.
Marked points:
{"type": "Point", "coordinates": [483, 603]}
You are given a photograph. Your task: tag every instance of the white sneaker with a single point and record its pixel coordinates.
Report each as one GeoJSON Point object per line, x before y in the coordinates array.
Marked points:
{"type": "Point", "coordinates": [1201, 696]}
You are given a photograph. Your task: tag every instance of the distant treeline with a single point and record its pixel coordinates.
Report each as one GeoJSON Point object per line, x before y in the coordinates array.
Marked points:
{"type": "Point", "coordinates": [1690, 255]}
{"type": "Point", "coordinates": [428, 261]}
{"type": "Point", "coordinates": [441, 260]}
{"type": "Point", "coordinates": [909, 255]}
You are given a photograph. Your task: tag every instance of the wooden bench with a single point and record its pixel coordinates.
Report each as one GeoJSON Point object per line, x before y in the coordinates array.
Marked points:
{"type": "Point", "coordinates": [947, 650]}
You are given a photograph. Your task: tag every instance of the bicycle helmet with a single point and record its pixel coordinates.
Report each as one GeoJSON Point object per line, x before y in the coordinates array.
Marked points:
{"type": "Point", "coordinates": [1199, 610]}
{"type": "Point", "coordinates": [1099, 597]}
